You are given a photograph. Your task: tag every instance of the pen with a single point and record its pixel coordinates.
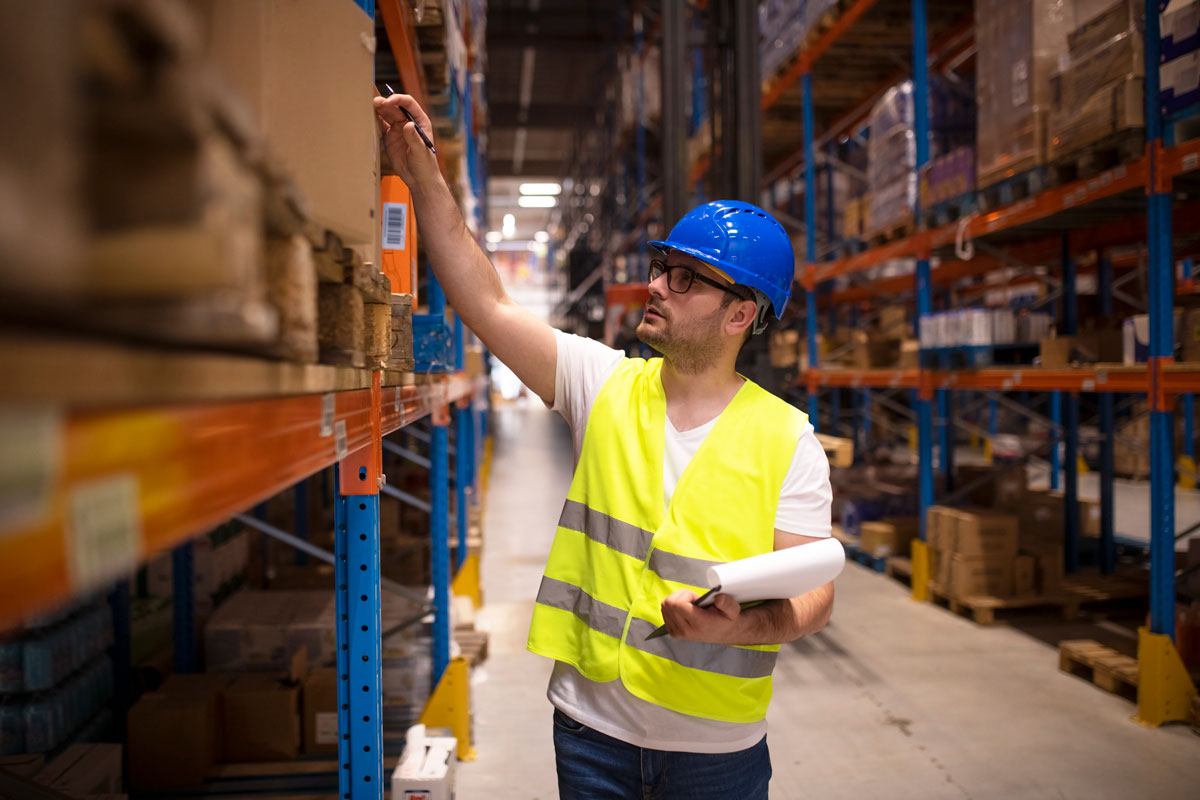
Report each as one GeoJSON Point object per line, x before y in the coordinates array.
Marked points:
{"type": "Point", "coordinates": [413, 120]}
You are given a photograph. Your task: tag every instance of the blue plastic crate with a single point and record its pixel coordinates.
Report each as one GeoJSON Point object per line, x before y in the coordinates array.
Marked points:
{"type": "Point", "coordinates": [433, 343]}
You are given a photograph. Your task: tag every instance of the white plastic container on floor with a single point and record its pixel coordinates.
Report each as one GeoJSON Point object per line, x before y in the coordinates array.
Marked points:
{"type": "Point", "coordinates": [426, 767]}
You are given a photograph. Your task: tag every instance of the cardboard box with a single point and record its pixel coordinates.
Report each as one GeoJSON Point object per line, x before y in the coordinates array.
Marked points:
{"type": "Point", "coordinates": [1048, 559]}
{"type": "Point", "coordinates": [172, 739]}
{"type": "Point", "coordinates": [985, 534]}
{"type": "Point", "coordinates": [891, 536]}
{"type": "Point", "coordinates": [939, 528]}
{"type": "Point", "coordinates": [1004, 490]}
{"type": "Point", "coordinates": [272, 50]}
{"type": "Point", "coordinates": [1189, 335]}
{"type": "Point", "coordinates": [319, 703]}
{"type": "Point", "coordinates": [874, 350]}
{"type": "Point", "coordinates": [910, 354]}
{"type": "Point", "coordinates": [1024, 575]}
{"type": "Point", "coordinates": [83, 770]}
{"type": "Point", "coordinates": [784, 348]}
{"type": "Point", "coordinates": [426, 768]}
{"type": "Point", "coordinates": [1042, 516]}
{"type": "Point", "coordinates": [893, 322]}
{"type": "Point", "coordinates": [261, 715]}
{"type": "Point", "coordinates": [981, 576]}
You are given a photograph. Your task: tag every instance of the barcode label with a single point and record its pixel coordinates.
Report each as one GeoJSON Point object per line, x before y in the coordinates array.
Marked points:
{"type": "Point", "coordinates": [328, 410]}
{"type": "Point", "coordinates": [340, 443]}
{"type": "Point", "coordinates": [395, 225]}
{"type": "Point", "coordinates": [104, 531]}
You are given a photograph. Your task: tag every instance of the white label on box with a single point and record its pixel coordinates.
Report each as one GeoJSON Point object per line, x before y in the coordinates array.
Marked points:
{"type": "Point", "coordinates": [1020, 84]}
{"type": "Point", "coordinates": [339, 439]}
{"type": "Point", "coordinates": [395, 226]}
{"type": "Point", "coordinates": [31, 440]}
{"type": "Point", "coordinates": [104, 529]}
{"type": "Point", "coordinates": [328, 410]}
{"type": "Point", "coordinates": [327, 727]}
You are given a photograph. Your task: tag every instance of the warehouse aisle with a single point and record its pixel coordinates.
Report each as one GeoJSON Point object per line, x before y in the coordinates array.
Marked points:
{"type": "Point", "coordinates": [892, 700]}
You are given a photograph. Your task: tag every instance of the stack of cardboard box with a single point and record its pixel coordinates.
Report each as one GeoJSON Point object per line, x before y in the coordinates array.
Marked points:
{"type": "Point", "coordinates": [974, 552]}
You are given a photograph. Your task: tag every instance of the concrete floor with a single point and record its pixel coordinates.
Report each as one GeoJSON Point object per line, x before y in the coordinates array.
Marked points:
{"type": "Point", "coordinates": [893, 699]}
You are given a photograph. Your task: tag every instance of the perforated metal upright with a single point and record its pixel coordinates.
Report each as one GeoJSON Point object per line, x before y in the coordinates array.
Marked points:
{"type": "Point", "coordinates": [810, 242]}
{"type": "Point", "coordinates": [924, 398]}
{"type": "Point", "coordinates": [359, 643]}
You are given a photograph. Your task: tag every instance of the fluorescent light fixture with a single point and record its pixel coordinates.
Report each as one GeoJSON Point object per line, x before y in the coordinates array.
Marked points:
{"type": "Point", "coordinates": [541, 236]}
{"type": "Point", "coordinates": [536, 201]}
{"type": "Point", "coordinates": [509, 220]}
{"type": "Point", "coordinates": [540, 188]}
{"type": "Point", "coordinates": [493, 236]}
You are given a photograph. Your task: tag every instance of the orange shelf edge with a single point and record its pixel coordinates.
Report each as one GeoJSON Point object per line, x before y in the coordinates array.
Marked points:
{"type": "Point", "coordinates": [114, 488]}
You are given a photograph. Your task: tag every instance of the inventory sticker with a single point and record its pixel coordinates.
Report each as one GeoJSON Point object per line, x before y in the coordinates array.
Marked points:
{"type": "Point", "coordinates": [339, 439]}
{"type": "Point", "coordinates": [31, 440]}
{"type": "Point", "coordinates": [328, 410]}
{"type": "Point", "coordinates": [104, 528]}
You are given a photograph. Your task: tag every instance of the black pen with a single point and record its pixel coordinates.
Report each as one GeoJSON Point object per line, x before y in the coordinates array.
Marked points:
{"type": "Point", "coordinates": [413, 120]}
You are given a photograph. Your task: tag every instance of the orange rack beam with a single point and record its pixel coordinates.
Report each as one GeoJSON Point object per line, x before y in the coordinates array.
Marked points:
{"type": "Point", "coordinates": [109, 489]}
{"type": "Point", "coordinates": [870, 378]}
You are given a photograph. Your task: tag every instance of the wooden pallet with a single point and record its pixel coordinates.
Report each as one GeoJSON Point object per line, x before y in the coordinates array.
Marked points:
{"type": "Point", "coordinates": [1110, 670]}
{"type": "Point", "coordinates": [983, 608]}
{"type": "Point", "coordinates": [474, 645]}
{"type": "Point", "coordinates": [1092, 587]}
{"type": "Point", "coordinates": [944, 213]}
{"type": "Point", "coordinates": [1010, 189]}
{"type": "Point", "coordinates": [890, 233]}
{"type": "Point", "coordinates": [1122, 147]}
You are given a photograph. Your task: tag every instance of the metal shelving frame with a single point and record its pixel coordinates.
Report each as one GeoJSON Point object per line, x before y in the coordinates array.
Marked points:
{"type": "Point", "coordinates": [1055, 217]}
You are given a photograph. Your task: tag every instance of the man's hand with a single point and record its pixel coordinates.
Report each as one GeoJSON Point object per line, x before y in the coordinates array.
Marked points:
{"type": "Point", "coordinates": [411, 159]}
{"type": "Point", "coordinates": [715, 624]}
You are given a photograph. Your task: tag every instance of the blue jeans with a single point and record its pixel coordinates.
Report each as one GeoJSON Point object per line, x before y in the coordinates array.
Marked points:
{"type": "Point", "coordinates": [592, 766]}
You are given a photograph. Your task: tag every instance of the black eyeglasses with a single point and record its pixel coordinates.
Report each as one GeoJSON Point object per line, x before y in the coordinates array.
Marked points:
{"type": "Point", "coordinates": [680, 278]}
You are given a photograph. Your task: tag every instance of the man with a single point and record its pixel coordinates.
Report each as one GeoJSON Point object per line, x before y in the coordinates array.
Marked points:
{"type": "Point", "coordinates": [680, 463]}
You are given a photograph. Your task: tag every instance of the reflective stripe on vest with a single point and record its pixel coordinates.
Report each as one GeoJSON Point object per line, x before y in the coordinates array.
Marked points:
{"type": "Point", "coordinates": [618, 552]}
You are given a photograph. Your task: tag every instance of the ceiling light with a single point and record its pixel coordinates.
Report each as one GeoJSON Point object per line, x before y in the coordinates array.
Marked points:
{"type": "Point", "coordinates": [537, 202]}
{"type": "Point", "coordinates": [509, 220]}
{"type": "Point", "coordinates": [493, 236]}
{"type": "Point", "coordinates": [540, 188]}
{"type": "Point", "coordinates": [541, 236]}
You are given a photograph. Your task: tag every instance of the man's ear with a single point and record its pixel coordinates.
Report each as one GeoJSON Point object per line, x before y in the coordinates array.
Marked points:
{"type": "Point", "coordinates": [742, 319]}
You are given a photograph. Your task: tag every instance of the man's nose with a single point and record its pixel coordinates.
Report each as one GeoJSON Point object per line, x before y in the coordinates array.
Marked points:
{"type": "Point", "coordinates": [658, 286]}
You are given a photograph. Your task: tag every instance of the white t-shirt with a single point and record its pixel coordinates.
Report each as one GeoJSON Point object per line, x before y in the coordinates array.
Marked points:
{"type": "Point", "coordinates": [804, 508]}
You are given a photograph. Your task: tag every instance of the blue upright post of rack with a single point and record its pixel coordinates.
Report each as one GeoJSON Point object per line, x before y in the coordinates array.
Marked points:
{"type": "Point", "coordinates": [300, 509]}
{"type": "Point", "coordinates": [810, 238]}
{"type": "Point", "coordinates": [1162, 338]}
{"type": "Point", "coordinates": [359, 632]}
{"type": "Point", "coordinates": [1108, 548]}
{"type": "Point", "coordinates": [439, 515]}
{"type": "Point", "coordinates": [119, 606]}
{"type": "Point", "coordinates": [1055, 438]}
{"type": "Point", "coordinates": [1188, 409]}
{"type": "Point", "coordinates": [920, 61]}
{"type": "Point", "coordinates": [1070, 419]}
{"type": "Point", "coordinates": [463, 452]}
{"type": "Point", "coordinates": [183, 579]}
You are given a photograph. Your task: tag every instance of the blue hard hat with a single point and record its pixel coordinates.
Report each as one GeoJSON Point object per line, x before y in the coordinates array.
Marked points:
{"type": "Point", "coordinates": [741, 240]}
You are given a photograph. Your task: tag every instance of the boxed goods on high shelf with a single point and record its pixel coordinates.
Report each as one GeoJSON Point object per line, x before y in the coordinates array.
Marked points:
{"type": "Point", "coordinates": [786, 25]}
{"type": "Point", "coordinates": [981, 327]}
{"type": "Point", "coordinates": [1020, 44]}
{"type": "Point", "coordinates": [189, 203]}
{"type": "Point", "coordinates": [1179, 74]}
{"type": "Point", "coordinates": [892, 150]}
{"type": "Point", "coordinates": [219, 560]}
{"type": "Point", "coordinates": [1099, 95]}
{"type": "Point", "coordinates": [56, 677]}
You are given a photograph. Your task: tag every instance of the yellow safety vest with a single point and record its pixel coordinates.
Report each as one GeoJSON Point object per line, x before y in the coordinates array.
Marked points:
{"type": "Point", "coordinates": [618, 553]}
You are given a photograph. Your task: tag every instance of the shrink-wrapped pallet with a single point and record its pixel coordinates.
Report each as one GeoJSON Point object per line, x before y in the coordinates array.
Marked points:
{"type": "Point", "coordinates": [1021, 44]}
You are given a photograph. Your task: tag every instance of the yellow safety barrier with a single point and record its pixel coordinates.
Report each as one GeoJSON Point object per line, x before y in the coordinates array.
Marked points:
{"type": "Point", "coordinates": [1187, 472]}
{"type": "Point", "coordinates": [920, 571]}
{"type": "Point", "coordinates": [450, 706]}
{"type": "Point", "coordinates": [466, 582]}
{"type": "Point", "coordinates": [1165, 690]}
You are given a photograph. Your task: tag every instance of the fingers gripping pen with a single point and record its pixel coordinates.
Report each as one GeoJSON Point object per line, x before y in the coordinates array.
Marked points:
{"type": "Point", "coordinates": [413, 120]}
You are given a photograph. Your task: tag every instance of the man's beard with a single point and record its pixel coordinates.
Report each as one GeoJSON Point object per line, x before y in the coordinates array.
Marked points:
{"type": "Point", "coordinates": [691, 349]}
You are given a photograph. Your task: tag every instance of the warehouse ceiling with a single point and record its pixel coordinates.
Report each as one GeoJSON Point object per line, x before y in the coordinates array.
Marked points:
{"type": "Point", "coordinates": [547, 63]}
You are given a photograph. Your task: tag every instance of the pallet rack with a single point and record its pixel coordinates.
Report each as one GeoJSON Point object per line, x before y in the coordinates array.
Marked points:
{"type": "Point", "coordinates": [1086, 215]}
{"type": "Point", "coordinates": [131, 451]}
